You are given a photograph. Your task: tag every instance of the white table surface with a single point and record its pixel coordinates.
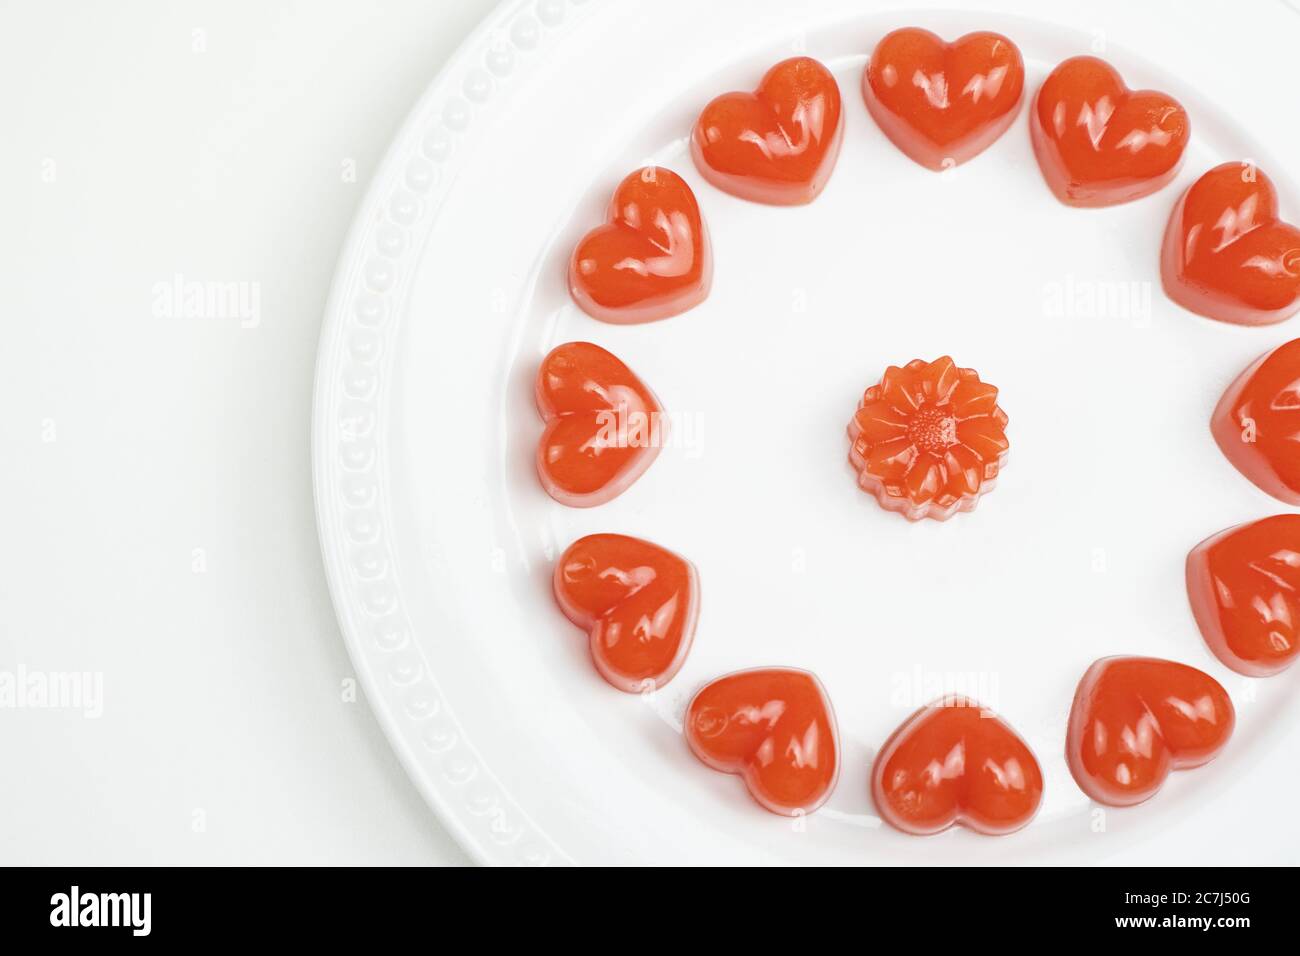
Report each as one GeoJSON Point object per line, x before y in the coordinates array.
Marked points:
{"type": "Point", "coordinates": [156, 502]}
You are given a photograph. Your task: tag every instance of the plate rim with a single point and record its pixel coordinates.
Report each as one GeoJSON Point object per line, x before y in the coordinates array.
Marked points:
{"type": "Point", "coordinates": [417, 168]}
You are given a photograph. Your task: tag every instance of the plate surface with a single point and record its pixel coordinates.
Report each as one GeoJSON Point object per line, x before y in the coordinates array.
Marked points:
{"type": "Point", "coordinates": [439, 542]}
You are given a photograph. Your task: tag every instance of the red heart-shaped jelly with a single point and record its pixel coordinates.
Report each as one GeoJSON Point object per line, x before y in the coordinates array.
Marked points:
{"type": "Point", "coordinates": [650, 259]}
{"type": "Point", "coordinates": [603, 425]}
{"type": "Point", "coordinates": [1257, 419]}
{"type": "Point", "coordinates": [637, 601]}
{"type": "Point", "coordinates": [1244, 585]}
{"type": "Point", "coordinates": [1134, 719]}
{"type": "Point", "coordinates": [943, 103]}
{"type": "Point", "coordinates": [953, 762]}
{"type": "Point", "coordinates": [774, 727]}
{"type": "Point", "coordinates": [1226, 253]}
{"type": "Point", "coordinates": [778, 144]}
{"type": "Point", "coordinates": [1099, 143]}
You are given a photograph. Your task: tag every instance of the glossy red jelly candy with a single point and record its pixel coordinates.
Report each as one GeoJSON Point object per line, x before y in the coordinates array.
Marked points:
{"type": "Point", "coordinates": [650, 259]}
{"type": "Point", "coordinates": [929, 439]}
{"type": "Point", "coordinates": [1257, 419]}
{"type": "Point", "coordinates": [777, 144]}
{"type": "Point", "coordinates": [1226, 253]}
{"type": "Point", "coordinates": [1244, 585]}
{"type": "Point", "coordinates": [943, 103]}
{"type": "Point", "coordinates": [775, 728]}
{"type": "Point", "coordinates": [603, 425]}
{"type": "Point", "coordinates": [953, 762]}
{"type": "Point", "coordinates": [638, 602]}
{"type": "Point", "coordinates": [1134, 719]}
{"type": "Point", "coordinates": [1099, 143]}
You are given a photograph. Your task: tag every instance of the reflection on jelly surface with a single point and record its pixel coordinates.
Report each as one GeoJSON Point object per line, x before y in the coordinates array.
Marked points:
{"type": "Point", "coordinates": [637, 601]}
{"type": "Point", "coordinates": [1227, 255]}
{"type": "Point", "coordinates": [929, 439]}
{"type": "Point", "coordinates": [1099, 143]}
{"type": "Point", "coordinates": [774, 727]}
{"type": "Point", "coordinates": [953, 762]}
{"type": "Point", "coordinates": [1256, 421]}
{"type": "Point", "coordinates": [943, 103]}
{"type": "Point", "coordinates": [778, 144]}
{"type": "Point", "coordinates": [1134, 719]}
{"type": "Point", "coordinates": [650, 259]}
{"type": "Point", "coordinates": [1244, 586]}
{"type": "Point", "coordinates": [603, 425]}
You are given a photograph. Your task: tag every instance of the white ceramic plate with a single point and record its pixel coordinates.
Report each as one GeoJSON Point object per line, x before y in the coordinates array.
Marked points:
{"type": "Point", "coordinates": [439, 542]}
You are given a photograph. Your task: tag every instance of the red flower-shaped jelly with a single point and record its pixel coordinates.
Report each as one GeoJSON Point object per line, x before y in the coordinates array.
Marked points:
{"type": "Point", "coordinates": [1099, 143]}
{"type": "Point", "coordinates": [778, 144]}
{"type": "Point", "coordinates": [1244, 585]}
{"type": "Point", "coordinates": [773, 726]}
{"type": "Point", "coordinates": [929, 439]}
{"type": "Point", "coordinates": [1257, 419]}
{"type": "Point", "coordinates": [1134, 719]}
{"type": "Point", "coordinates": [638, 603]}
{"type": "Point", "coordinates": [603, 425]}
{"type": "Point", "coordinates": [1226, 253]}
{"type": "Point", "coordinates": [943, 103]}
{"type": "Point", "coordinates": [650, 259]}
{"type": "Point", "coordinates": [953, 762]}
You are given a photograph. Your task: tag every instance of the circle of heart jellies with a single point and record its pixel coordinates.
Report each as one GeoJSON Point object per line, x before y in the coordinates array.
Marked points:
{"type": "Point", "coordinates": [929, 438]}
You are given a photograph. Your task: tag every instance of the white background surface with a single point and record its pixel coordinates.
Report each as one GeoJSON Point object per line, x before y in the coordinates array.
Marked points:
{"type": "Point", "coordinates": [222, 689]}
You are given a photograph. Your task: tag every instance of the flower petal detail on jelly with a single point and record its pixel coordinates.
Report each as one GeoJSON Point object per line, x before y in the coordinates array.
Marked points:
{"type": "Point", "coordinates": [651, 258]}
{"type": "Point", "coordinates": [1099, 143]}
{"type": "Point", "coordinates": [929, 439]}
{"type": "Point", "coordinates": [951, 763]}
{"type": "Point", "coordinates": [638, 603]}
{"type": "Point", "coordinates": [1136, 719]}
{"type": "Point", "coordinates": [775, 728]}
{"type": "Point", "coordinates": [1227, 255]}
{"type": "Point", "coordinates": [604, 427]}
{"type": "Point", "coordinates": [1244, 587]}
{"type": "Point", "coordinates": [943, 103]}
{"type": "Point", "coordinates": [1257, 419]}
{"type": "Point", "coordinates": [777, 144]}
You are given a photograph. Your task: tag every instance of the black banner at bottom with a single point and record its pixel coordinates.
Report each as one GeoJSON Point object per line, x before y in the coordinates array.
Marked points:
{"type": "Point", "coordinates": [338, 906]}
